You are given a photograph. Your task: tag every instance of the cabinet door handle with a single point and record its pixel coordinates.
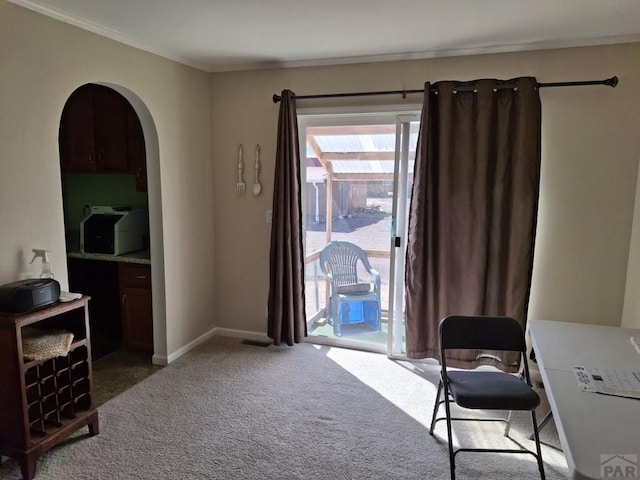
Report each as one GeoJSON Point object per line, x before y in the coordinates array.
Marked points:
{"type": "Point", "coordinates": [141, 277]}
{"type": "Point", "coordinates": [124, 298]}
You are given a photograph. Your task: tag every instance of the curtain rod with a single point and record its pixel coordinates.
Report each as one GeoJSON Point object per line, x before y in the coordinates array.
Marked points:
{"type": "Point", "coordinates": [612, 82]}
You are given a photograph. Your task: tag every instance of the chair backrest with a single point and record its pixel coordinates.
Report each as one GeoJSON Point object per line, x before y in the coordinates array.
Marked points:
{"type": "Point", "coordinates": [482, 332]}
{"type": "Point", "coordinates": [342, 261]}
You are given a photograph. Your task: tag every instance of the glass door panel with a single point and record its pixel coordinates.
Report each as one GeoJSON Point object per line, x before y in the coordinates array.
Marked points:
{"type": "Point", "coordinates": [350, 187]}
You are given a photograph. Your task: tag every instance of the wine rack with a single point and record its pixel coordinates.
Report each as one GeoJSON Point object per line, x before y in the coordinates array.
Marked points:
{"type": "Point", "coordinates": [43, 402]}
{"type": "Point", "coordinates": [57, 390]}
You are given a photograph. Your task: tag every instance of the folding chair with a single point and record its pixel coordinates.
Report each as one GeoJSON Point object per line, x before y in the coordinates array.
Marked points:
{"type": "Point", "coordinates": [481, 389]}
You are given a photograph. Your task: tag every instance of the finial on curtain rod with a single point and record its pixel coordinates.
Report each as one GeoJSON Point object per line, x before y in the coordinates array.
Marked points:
{"type": "Point", "coordinates": [611, 82]}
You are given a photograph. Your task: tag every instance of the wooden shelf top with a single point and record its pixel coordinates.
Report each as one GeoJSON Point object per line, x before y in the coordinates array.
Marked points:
{"type": "Point", "coordinates": [8, 319]}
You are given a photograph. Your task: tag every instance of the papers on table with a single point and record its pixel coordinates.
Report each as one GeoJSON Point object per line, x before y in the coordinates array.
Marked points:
{"type": "Point", "coordinates": [608, 382]}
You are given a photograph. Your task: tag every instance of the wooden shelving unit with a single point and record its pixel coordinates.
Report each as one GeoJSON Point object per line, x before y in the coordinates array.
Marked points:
{"type": "Point", "coordinates": [43, 402]}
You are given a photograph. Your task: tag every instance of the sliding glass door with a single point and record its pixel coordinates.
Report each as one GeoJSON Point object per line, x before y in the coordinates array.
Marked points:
{"type": "Point", "coordinates": [357, 171]}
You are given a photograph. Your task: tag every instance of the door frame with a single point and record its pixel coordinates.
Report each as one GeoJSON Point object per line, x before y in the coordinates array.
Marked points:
{"type": "Point", "coordinates": [387, 114]}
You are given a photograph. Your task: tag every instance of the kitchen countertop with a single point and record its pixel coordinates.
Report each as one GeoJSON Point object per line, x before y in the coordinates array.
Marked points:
{"type": "Point", "coordinates": [142, 257]}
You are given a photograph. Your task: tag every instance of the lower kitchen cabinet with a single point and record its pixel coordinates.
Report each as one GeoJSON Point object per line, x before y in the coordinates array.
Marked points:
{"type": "Point", "coordinates": [99, 280]}
{"type": "Point", "coordinates": [121, 313]}
{"type": "Point", "coordinates": [136, 306]}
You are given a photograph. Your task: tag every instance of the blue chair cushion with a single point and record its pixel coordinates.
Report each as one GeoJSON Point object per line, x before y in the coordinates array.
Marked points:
{"type": "Point", "coordinates": [491, 391]}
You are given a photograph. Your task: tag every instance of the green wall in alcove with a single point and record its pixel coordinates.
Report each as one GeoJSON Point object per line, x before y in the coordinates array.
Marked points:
{"type": "Point", "coordinates": [79, 190]}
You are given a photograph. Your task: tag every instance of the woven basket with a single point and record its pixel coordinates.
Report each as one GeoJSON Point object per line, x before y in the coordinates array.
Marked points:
{"type": "Point", "coordinates": [40, 345]}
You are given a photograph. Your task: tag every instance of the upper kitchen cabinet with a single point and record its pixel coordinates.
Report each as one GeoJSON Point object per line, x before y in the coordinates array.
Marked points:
{"type": "Point", "coordinates": [76, 139]}
{"type": "Point", "coordinates": [136, 151]}
{"type": "Point", "coordinates": [100, 133]}
{"type": "Point", "coordinates": [93, 131]}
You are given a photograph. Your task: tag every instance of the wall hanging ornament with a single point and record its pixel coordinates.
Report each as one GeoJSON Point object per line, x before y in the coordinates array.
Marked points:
{"type": "Point", "coordinates": [240, 186]}
{"type": "Point", "coordinates": [257, 188]}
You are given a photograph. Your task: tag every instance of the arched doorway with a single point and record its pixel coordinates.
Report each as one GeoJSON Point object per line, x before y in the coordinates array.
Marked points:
{"type": "Point", "coordinates": [109, 159]}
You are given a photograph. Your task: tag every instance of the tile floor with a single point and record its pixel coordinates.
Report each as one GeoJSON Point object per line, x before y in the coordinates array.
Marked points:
{"type": "Point", "coordinates": [117, 372]}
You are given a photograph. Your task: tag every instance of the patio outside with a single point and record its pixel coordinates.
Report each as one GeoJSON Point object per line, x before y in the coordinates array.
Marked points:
{"type": "Point", "coordinates": [370, 230]}
{"type": "Point", "coordinates": [348, 193]}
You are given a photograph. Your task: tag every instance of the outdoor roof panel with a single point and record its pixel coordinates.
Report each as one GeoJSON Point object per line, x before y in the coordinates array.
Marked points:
{"type": "Point", "coordinates": [359, 143]}
{"type": "Point", "coordinates": [358, 166]}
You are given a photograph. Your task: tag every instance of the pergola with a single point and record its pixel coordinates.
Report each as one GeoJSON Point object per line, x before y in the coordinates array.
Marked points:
{"type": "Point", "coordinates": [360, 153]}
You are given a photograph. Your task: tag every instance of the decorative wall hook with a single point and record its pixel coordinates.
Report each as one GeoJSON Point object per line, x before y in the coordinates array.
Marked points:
{"type": "Point", "coordinates": [257, 188]}
{"type": "Point", "coordinates": [240, 186]}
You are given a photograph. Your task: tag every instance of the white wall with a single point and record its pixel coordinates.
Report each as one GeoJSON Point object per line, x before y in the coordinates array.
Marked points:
{"type": "Point", "coordinates": [41, 62]}
{"type": "Point", "coordinates": [591, 147]}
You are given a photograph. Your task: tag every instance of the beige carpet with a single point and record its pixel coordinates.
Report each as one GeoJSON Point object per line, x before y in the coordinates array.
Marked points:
{"type": "Point", "coordinates": [228, 410]}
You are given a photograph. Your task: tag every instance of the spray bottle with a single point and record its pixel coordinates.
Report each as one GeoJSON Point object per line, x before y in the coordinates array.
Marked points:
{"type": "Point", "coordinates": [46, 268]}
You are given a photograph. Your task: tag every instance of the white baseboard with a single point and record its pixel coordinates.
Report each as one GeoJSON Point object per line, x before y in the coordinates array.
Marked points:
{"type": "Point", "coordinates": [159, 360]}
{"type": "Point", "coordinates": [243, 334]}
{"type": "Point", "coordinates": [222, 332]}
{"type": "Point", "coordinates": [189, 346]}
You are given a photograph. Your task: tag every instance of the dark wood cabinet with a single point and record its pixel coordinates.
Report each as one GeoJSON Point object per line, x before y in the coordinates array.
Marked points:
{"type": "Point", "coordinates": [110, 130]}
{"type": "Point", "coordinates": [136, 150]}
{"type": "Point", "coordinates": [43, 402]}
{"type": "Point", "coordinates": [76, 139]}
{"type": "Point", "coordinates": [100, 132]}
{"type": "Point", "coordinates": [121, 312]}
{"type": "Point", "coordinates": [93, 131]}
{"type": "Point", "coordinates": [136, 306]}
{"type": "Point", "coordinates": [99, 279]}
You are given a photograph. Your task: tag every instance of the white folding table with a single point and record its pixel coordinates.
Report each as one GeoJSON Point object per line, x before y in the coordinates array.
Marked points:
{"type": "Point", "coordinates": [593, 427]}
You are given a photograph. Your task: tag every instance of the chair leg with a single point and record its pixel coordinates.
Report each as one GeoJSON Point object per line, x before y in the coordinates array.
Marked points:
{"type": "Point", "coordinates": [452, 459]}
{"type": "Point", "coordinates": [331, 311]}
{"type": "Point", "coordinates": [508, 427]}
{"type": "Point", "coordinates": [538, 449]}
{"type": "Point", "coordinates": [435, 408]}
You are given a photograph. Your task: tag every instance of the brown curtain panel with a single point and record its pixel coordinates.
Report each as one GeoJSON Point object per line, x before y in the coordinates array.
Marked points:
{"type": "Point", "coordinates": [473, 211]}
{"type": "Point", "coordinates": [286, 309]}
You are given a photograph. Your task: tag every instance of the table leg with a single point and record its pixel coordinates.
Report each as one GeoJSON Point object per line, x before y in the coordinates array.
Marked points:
{"type": "Point", "coordinates": [544, 421]}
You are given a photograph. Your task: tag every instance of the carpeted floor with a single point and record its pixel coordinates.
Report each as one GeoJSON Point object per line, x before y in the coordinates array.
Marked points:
{"type": "Point", "coordinates": [229, 410]}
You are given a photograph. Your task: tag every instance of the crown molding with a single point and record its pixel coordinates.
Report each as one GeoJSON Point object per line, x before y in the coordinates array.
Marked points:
{"type": "Point", "coordinates": [458, 52]}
